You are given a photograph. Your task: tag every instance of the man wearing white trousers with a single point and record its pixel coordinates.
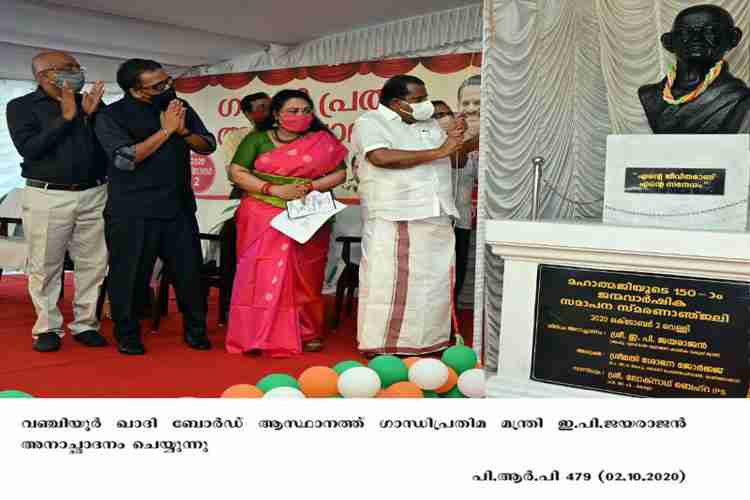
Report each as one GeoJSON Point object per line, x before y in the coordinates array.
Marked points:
{"type": "Point", "coordinates": [65, 169]}
{"type": "Point", "coordinates": [406, 271]}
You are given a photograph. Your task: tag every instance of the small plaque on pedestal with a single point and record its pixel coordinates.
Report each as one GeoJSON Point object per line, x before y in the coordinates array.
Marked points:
{"type": "Point", "coordinates": [641, 334]}
{"type": "Point", "coordinates": [678, 181]}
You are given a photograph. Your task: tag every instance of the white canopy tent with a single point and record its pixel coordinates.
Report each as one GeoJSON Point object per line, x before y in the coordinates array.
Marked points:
{"type": "Point", "coordinates": [188, 35]}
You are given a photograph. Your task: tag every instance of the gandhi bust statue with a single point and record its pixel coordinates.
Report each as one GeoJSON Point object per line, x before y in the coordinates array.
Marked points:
{"type": "Point", "coordinates": [699, 95]}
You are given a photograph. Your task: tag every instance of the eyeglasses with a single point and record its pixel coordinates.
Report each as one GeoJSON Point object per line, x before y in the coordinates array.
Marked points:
{"type": "Point", "coordinates": [160, 86]}
{"type": "Point", "coordinates": [63, 68]}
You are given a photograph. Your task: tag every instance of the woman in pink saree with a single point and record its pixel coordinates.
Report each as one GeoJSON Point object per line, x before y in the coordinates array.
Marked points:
{"type": "Point", "coordinates": [277, 306]}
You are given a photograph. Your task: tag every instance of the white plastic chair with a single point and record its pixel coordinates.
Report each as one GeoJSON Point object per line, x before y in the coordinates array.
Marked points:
{"type": "Point", "coordinates": [13, 246]}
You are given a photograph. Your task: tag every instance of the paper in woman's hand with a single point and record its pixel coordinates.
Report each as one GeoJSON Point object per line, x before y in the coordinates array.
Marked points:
{"type": "Point", "coordinates": [314, 203]}
{"type": "Point", "coordinates": [320, 207]}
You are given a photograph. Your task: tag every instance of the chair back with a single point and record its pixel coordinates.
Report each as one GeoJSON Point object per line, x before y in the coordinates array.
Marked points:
{"type": "Point", "coordinates": [13, 247]}
{"type": "Point", "coordinates": [10, 205]}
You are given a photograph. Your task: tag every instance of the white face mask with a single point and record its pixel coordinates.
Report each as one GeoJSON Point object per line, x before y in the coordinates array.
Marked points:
{"type": "Point", "coordinates": [422, 111]}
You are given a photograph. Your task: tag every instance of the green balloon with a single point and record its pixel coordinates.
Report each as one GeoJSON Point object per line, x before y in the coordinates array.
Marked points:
{"type": "Point", "coordinates": [390, 369]}
{"type": "Point", "coordinates": [275, 380]}
{"type": "Point", "coordinates": [14, 394]}
{"type": "Point", "coordinates": [460, 358]}
{"type": "Point", "coordinates": [430, 394]}
{"type": "Point", "coordinates": [453, 393]}
{"type": "Point", "coordinates": [345, 365]}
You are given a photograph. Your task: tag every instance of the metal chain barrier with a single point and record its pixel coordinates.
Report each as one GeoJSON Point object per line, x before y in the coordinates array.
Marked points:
{"type": "Point", "coordinates": [570, 200]}
{"type": "Point", "coordinates": [683, 214]}
{"type": "Point", "coordinates": [538, 162]}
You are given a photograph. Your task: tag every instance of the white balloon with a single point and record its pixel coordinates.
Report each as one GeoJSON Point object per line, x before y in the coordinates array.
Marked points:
{"type": "Point", "coordinates": [429, 374]}
{"type": "Point", "coordinates": [359, 382]}
{"type": "Point", "coordinates": [471, 383]}
{"type": "Point", "coordinates": [284, 392]}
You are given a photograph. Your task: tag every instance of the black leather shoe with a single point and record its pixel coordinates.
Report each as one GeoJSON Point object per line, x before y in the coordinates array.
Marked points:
{"type": "Point", "coordinates": [199, 342]}
{"type": "Point", "coordinates": [131, 347]}
{"type": "Point", "coordinates": [47, 342]}
{"type": "Point", "coordinates": [91, 338]}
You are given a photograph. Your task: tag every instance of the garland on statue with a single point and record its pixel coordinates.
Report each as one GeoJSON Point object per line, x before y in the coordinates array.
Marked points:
{"type": "Point", "coordinates": [712, 75]}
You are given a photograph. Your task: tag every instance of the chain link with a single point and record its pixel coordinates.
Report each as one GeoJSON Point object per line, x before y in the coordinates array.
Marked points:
{"type": "Point", "coordinates": [633, 212]}
{"type": "Point", "coordinates": [684, 214]}
{"type": "Point", "coordinates": [569, 200]}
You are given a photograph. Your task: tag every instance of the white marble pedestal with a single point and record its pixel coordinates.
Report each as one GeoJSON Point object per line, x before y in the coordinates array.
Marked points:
{"type": "Point", "coordinates": [526, 244]}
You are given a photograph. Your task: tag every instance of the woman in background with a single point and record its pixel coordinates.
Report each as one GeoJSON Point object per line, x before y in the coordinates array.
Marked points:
{"type": "Point", "coordinates": [465, 170]}
{"type": "Point", "coordinates": [277, 306]}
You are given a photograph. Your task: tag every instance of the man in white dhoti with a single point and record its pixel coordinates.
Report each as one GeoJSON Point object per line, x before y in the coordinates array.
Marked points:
{"type": "Point", "coordinates": [407, 265]}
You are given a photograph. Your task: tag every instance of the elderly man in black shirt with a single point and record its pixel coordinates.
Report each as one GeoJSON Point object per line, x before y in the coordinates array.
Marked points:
{"type": "Point", "coordinates": [65, 170]}
{"type": "Point", "coordinates": [150, 213]}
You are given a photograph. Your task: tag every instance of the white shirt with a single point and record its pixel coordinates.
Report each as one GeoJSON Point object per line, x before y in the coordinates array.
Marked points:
{"type": "Point", "coordinates": [416, 193]}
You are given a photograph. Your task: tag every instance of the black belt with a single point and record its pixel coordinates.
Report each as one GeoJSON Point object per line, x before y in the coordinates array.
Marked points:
{"type": "Point", "coordinates": [64, 187]}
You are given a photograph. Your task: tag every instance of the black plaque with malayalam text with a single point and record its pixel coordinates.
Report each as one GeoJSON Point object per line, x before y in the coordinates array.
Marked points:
{"type": "Point", "coordinates": [641, 334]}
{"type": "Point", "coordinates": [647, 180]}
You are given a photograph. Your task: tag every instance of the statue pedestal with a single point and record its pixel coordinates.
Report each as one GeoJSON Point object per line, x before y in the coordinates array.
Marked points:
{"type": "Point", "coordinates": [607, 250]}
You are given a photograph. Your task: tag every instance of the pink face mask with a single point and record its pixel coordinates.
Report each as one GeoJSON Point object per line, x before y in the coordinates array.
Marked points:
{"type": "Point", "coordinates": [296, 123]}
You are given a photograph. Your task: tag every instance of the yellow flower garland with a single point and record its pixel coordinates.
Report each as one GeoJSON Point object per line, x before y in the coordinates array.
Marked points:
{"type": "Point", "coordinates": [708, 80]}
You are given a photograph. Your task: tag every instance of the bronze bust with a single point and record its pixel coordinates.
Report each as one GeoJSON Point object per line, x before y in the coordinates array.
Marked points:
{"type": "Point", "coordinates": [700, 95]}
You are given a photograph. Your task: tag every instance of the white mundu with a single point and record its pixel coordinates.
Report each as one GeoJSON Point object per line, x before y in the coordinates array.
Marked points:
{"type": "Point", "coordinates": [406, 270]}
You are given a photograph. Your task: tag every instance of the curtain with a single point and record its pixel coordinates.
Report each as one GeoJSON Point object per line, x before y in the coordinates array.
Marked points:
{"type": "Point", "coordinates": [558, 77]}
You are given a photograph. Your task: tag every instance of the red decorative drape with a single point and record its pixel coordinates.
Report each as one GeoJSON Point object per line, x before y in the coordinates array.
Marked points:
{"type": "Point", "coordinates": [393, 67]}
{"type": "Point", "coordinates": [278, 76]}
{"type": "Point", "coordinates": [191, 85]}
{"type": "Point", "coordinates": [235, 81]}
{"type": "Point", "coordinates": [331, 74]}
{"type": "Point", "coordinates": [230, 81]}
{"type": "Point", "coordinates": [446, 64]}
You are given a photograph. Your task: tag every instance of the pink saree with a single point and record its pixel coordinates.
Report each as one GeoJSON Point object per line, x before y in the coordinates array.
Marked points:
{"type": "Point", "coordinates": [276, 300]}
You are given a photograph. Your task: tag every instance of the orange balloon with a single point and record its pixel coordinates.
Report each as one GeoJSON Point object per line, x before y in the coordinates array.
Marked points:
{"type": "Point", "coordinates": [242, 391]}
{"type": "Point", "coordinates": [410, 361]}
{"type": "Point", "coordinates": [450, 384]}
{"type": "Point", "coordinates": [319, 382]}
{"type": "Point", "coordinates": [403, 390]}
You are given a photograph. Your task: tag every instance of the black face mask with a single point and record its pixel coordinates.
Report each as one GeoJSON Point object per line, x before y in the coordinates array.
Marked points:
{"type": "Point", "coordinates": [161, 101]}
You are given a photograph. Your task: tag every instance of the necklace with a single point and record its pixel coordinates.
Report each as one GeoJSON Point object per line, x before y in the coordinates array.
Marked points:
{"type": "Point", "coordinates": [708, 80]}
{"type": "Point", "coordinates": [276, 136]}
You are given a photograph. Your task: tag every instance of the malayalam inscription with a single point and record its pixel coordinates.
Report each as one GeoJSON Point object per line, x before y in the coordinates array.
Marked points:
{"type": "Point", "coordinates": [642, 334]}
{"type": "Point", "coordinates": [704, 181]}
